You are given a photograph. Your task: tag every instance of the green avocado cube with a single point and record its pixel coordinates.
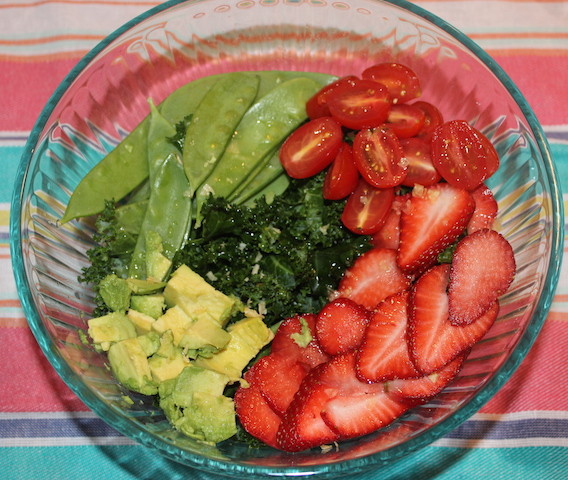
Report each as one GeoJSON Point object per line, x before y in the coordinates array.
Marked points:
{"type": "Point", "coordinates": [110, 328]}
{"type": "Point", "coordinates": [174, 319]}
{"type": "Point", "coordinates": [130, 367]}
{"type": "Point", "coordinates": [152, 304]}
{"type": "Point", "coordinates": [142, 322]}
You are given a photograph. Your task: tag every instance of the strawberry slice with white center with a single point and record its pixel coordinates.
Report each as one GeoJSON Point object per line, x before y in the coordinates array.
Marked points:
{"type": "Point", "coordinates": [302, 425]}
{"type": "Point", "coordinates": [384, 352]}
{"type": "Point", "coordinates": [486, 209]}
{"type": "Point", "coordinates": [426, 386]}
{"type": "Point", "coordinates": [432, 220]}
{"type": "Point", "coordinates": [433, 340]}
{"type": "Point", "coordinates": [340, 326]}
{"type": "Point", "coordinates": [373, 277]}
{"type": "Point", "coordinates": [389, 234]}
{"type": "Point", "coordinates": [483, 268]}
{"type": "Point", "coordinates": [296, 338]}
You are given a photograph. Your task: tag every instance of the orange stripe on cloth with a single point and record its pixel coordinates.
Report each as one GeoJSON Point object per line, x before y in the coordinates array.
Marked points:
{"type": "Point", "coordinates": [50, 39]}
{"type": "Point", "coordinates": [78, 2]}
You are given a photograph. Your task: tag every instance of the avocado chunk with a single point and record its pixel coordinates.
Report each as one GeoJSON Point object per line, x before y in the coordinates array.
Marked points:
{"type": "Point", "coordinates": [168, 361]}
{"type": "Point", "coordinates": [157, 264]}
{"type": "Point", "coordinates": [194, 403]}
{"type": "Point", "coordinates": [151, 304]}
{"type": "Point", "coordinates": [110, 328]}
{"type": "Point", "coordinates": [144, 287]}
{"type": "Point", "coordinates": [115, 293]}
{"type": "Point", "coordinates": [129, 364]}
{"type": "Point", "coordinates": [198, 298]}
{"type": "Point", "coordinates": [247, 338]}
{"type": "Point", "coordinates": [142, 322]}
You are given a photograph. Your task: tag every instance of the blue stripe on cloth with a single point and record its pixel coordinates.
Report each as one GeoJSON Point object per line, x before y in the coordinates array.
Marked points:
{"type": "Point", "coordinates": [512, 429]}
{"type": "Point", "coordinates": [55, 427]}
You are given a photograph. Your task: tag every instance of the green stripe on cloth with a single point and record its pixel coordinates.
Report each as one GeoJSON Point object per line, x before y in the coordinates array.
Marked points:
{"type": "Point", "coordinates": [560, 155]}
{"type": "Point", "coordinates": [137, 463]}
{"type": "Point", "coordinates": [9, 161]}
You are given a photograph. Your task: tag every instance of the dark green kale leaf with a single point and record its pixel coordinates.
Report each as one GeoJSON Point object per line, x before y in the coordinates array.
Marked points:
{"type": "Point", "coordinates": [178, 139]}
{"type": "Point", "coordinates": [286, 255]}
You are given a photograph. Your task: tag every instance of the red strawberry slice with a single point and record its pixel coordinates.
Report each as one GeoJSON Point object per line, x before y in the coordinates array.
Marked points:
{"type": "Point", "coordinates": [384, 352]}
{"type": "Point", "coordinates": [485, 209]}
{"type": "Point", "coordinates": [255, 415]}
{"type": "Point", "coordinates": [359, 407]}
{"type": "Point", "coordinates": [483, 268]}
{"type": "Point", "coordinates": [433, 340]}
{"type": "Point", "coordinates": [426, 386]}
{"type": "Point", "coordinates": [433, 219]}
{"type": "Point", "coordinates": [340, 326]}
{"type": "Point", "coordinates": [389, 234]}
{"type": "Point", "coordinates": [373, 277]}
{"type": "Point", "coordinates": [295, 338]}
{"type": "Point", "coordinates": [302, 425]}
{"type": "Point", "coordinates": [278, 377]}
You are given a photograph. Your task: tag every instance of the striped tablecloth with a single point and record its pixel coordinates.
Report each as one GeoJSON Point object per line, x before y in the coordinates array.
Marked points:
{"type": "Point", "coordinates": [46, 432]}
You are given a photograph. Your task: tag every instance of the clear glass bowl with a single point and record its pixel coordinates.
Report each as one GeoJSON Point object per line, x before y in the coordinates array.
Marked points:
{"type": "Point", "coordinates": [105, 96]}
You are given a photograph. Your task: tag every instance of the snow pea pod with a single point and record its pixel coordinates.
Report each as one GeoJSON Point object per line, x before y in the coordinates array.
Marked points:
{"type": "Point", "coordinates": [258, 180]}
{"type": "Point", "coordinates": [265, 125]}
{"type": "Point", "coordinates": [214, 122]}
{"type": "Point", "coordinates": [126, 166]}
{"type": "Point", "coordinates": [168, 213]}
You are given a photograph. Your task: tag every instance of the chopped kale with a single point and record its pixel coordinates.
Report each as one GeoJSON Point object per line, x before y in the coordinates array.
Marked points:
{"type": "Point", "coordinates": [178, 139]}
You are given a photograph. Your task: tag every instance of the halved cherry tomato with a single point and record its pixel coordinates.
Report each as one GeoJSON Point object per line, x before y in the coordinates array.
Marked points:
{"type": "Point", "coordinates": [433, 117]}
{"type": "Point", "coordinates": [405, 120]}
{"type": "Point", "coordinates": [316, 106]}
{"type": "Point", "coordinates": [342, 175]}
{"type": "Point", "coordinates": [402, 83]}
{"type": "Point", "coordinates": [367, 208]}
{"type": "Point", "coordinates": [311, 147]}
{"type": "Point", "coordinates": [421, 170]}
{"type": "Point", "coordinates": [463, 155]}
{"type": "Point", "coordinates": [379, 157]}
{"type": "Point", "coordinates": [359, 104]}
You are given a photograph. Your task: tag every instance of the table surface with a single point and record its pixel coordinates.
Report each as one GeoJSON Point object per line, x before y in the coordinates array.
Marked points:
{"type": "Point", "coordinates": [521, 433]}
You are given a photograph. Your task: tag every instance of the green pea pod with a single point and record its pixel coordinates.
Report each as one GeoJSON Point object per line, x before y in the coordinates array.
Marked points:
{"type": "Point", "coordinates": [273, 189]}
{"type": "Point", "coordinates": [214, 122]}
{"type": "Point", "coordinates": [265, 125]}
{"type": "Point", "coordinates": [126, 166]}
{"type": "Point", "coordinates": [131, 216]}
{"type": "Point", "coordinates": [258, 180]}
{"type": "Point", "coordinates": [169, 208]}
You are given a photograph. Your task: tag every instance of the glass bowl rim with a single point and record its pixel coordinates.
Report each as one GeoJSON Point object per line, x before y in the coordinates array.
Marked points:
{"type": "Point", "coordinates": [376, 459]}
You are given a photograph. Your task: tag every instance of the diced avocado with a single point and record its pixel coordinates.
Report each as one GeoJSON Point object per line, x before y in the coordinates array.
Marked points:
{"type": "Point", "coordinates": [168, 361]}
{"type": "Point", "coordinates": [248, 337]}
{"type": "Point", "coordinates": [197, 297]}
{"type": "Point", "coordinates": [157, 264]}
{"type": "Point", "coordinates": [150, 343]}
{"type": "Point", "coordinates": [152, 304]}
{"type": "Point", "coordinates": [144, 287]}
{"type": "Point", "coordinates": [110, 328]}
{"type": "Point", "coordinates": [304, 336]}
{"type": "Point", "coordinates": [210, 418]}
{"type": "Point", "coordinates": [204, 338]}
{"type": "Point", "coordinates": [195, 405]}
{"type": "Point", "coordinates": [130, 367]}
{"type": "Point", "coordinates": [115, 293]}
{"type": "Point", "coordinates": [142, 322]}
{"type": "Point", "coordinates": [174, 319]}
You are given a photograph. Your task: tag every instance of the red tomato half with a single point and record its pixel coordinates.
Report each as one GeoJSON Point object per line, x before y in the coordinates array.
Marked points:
{"type": "Point", "coordinates": [379, 157]}
{"type": "Point", "coordinates": [421, 171]}
{"type": "Point", "coordinates": [342, 175]}
{"type": "Point", "coordinates": [405, 120]}
{"type": "Point", "coordinates": [311, 147]}
{"type": "Point", "coordinates": [463, 155]}
{"type": "Point", "coordinates": [432, 118]}
{"type": "Point", "coordinates": [317, 105]}
{"type": "Point", "coordinates": [359, 104]}
{"type": "Point", "coordinates": [402, 83]}
{"type": "Point", "coordinates": [367, 208]}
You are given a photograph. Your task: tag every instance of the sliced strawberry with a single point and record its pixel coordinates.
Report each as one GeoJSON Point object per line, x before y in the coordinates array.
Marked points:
{"type": "Point", "coordinates": [359, 407]}
{"type": "Point", "coordinates": [384, 352]}
{"type": "Point", "coordinates": [426, 386]}
{"type": "Point", "coordinates": [340, 326]}
{"type": "Point", "coordinates": [485, 209]}
{"type": "Point", "coordinates": [278, 377]}
{"type": "Point", "coordinates": [373, 277]}
{"type": "Point", "coordinates": [295, 338]}
{"type": "Point", "coordinates": [433, 340]}
{"type": "Point", "coordinates": [389, 234]}
{"type": "Point", "coordinates": [302, 425]}
{"type": "Point", "coordinates": [483, 268]}
{"type": "Point", "coordinates": [255, 415]}
{"type": "Point", "coordinates": [433, 219]}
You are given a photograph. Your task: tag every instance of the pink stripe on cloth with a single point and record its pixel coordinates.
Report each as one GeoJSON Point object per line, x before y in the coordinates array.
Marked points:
{"type": "Point", "coordinates": [29, 382]}
{"type": "Point", "coordinates": [540, 382]}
